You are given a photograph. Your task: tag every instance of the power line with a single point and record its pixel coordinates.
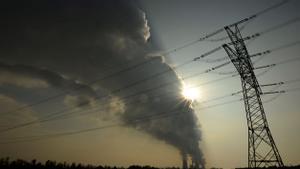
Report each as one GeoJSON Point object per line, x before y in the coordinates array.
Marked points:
{"type": "Point", "coordinates": [207, 36]}
{"type": "Point", "coordinates": [220, 47]}
{"type": "Point", "coordinates": [263, 54]}
{"type": "Point", "coordinates": [117, 73]}
{"type": "Point", "coordinates": [78, 88]}
{"type": "Point", "coordinates": [277, 85]}
{"type": "Point", "coordinates": [149, 117]}
{"type": "Point", "coordinates": [226, 37]}
{"type": "Point", "coordinates": [144, 62]}
{"type": "Point", "coordinates": [136, 120]}
{"type": "Point", "coordinates": [266, 31]}
{"type": "Point", "coordinates": [112, 75]}
{"type": "Point", "coordinates": [50, 118]}
{"type": "Point", "coordinates": [115, 91]}
{"type": "Point", "coordinates": [265, 66]}
{"type": "Point", "coordinates": [36, 138]}
{"type": "Point", "coordinates": [281, 25]}
{"type": "Point", "coordinates": [142, 119]}
{"type": "Point", "coordinates": [151, 89]}
{"type": "Point", "coordinates": [93, 82]}
{"type": "Point", "coordinates": [272, 7]}
{"type": "Point", "coordinates": [192, 42]}
{"type": "Point", "coordinates": [253, 17]}
{"type": "Point", "coordinates": [287, 45]}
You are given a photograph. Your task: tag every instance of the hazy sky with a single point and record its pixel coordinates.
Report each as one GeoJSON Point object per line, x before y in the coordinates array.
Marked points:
{"type": "Point", "coordinates": [224, 128]}
{"type": "Point", "coordinates": [48, 48]}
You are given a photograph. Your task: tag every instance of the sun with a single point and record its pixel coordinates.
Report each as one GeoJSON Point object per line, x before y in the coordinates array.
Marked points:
{"type": "Point", "coordinates": [190, 93]}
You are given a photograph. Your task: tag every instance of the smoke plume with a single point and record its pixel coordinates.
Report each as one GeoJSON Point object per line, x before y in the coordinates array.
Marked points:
{"type": "Point", "coordinates": [85, 40]}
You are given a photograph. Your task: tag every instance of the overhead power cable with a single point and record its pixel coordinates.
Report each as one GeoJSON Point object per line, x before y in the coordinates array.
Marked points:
{"type": "Point", "coordinates": [278, 84]}
{"type": "Point", "coordinates": [173, 111]}
{"type": "Point", "coordinates": [142, 119]}
{"type": "Point", "coordinates": [54, 117]}
{"type": "Point", "coordinates": [60, 112]}
{"type": "Point", "coordinates": [117, 73]}
{"type": "Point", "coordinates": [147, 118]}
{"type": "Point", "coordinates": [64, 112]}
{"type": "Point", "coordinates": [252, 18]}
{"type": "Point", "coordinates": [255, 68]}
{"type": "Point", "coordinates": [266, 31]}
{"type": "Point", "coordinates": [99, 80]}
{"type": "Point", "coordinates": [192, 42]}
{"type": "Point", "coordinates": [207, 36]}
{"type": "Point", "coordinates": [114, 92]}
{"type": "Point", "coordinates": [263, 54]}
{"type": "Point", "coordinates": [204, 37]}
{"type": "Point", "coordinates": [139, 64]}
{"type": "Point", "coordinates": [62, 134]}
{"type": "Point", "coordinates": [273, 98]}
{"type": "Point", "coordinates": [77, 88]}
{"type": "Point", "coordinates": [281, 25]}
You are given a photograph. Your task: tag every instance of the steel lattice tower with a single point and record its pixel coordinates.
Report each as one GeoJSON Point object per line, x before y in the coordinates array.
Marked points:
{"type": "Point", "coordinates": [262, 151]}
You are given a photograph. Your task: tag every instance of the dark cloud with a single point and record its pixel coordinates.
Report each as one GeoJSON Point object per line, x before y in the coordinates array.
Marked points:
{"type": "Point", "coordinates": [87, 40]}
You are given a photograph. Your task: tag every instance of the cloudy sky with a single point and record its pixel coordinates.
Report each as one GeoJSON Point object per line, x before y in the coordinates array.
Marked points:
{"type": "Point", "coordinates": [99, 82]}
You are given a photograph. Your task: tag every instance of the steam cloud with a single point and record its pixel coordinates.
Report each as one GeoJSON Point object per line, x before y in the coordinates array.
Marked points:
{"type": "Point", "coordinates": [85, 40]}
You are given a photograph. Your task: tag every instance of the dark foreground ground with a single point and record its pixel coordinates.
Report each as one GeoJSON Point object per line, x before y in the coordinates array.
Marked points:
{"type": "Point", "coordinates": [6, 163]}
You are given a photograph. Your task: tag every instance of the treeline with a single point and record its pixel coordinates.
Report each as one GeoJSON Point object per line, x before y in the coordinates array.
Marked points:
{"type": "Point", "coordinates": [6, 163]}
{"type": "Point", "coordinates": [274, 167]}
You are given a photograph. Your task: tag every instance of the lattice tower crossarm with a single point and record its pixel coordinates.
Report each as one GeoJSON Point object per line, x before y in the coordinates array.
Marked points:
{"type": "Point", "coordinates": [262, 151]}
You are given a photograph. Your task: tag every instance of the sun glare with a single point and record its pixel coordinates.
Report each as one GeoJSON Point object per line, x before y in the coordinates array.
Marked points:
{"type": "Point", "coordinates": [190, 93]}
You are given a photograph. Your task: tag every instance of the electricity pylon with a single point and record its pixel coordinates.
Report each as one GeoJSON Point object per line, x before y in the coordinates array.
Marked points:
{"type": "Point", "coordinates": [262, 151]}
